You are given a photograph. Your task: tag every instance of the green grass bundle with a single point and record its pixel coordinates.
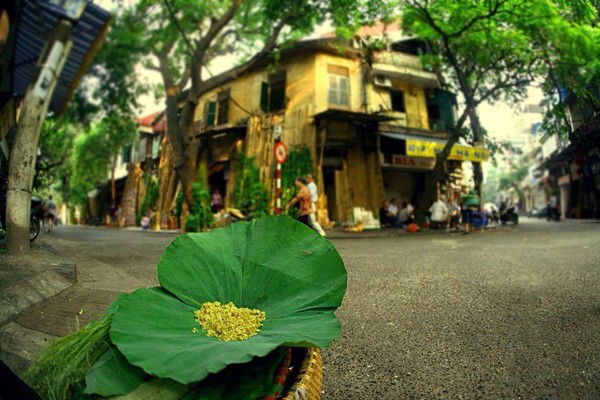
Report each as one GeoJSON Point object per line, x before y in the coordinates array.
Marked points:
{"type": "Point", "coordinates": [66, 360]}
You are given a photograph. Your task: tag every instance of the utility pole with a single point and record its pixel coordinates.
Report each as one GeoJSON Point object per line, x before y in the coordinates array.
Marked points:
{"type": "Point", "coordinates": [24, 150]}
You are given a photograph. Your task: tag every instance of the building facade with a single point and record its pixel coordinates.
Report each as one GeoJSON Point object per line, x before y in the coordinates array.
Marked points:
{"type": "Point", "coordinates": [373, 121]}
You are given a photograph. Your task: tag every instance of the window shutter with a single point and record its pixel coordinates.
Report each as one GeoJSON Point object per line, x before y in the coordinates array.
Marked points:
{"type": "Point", "coordinates": [397, 100]}
{"type": "Point", "coordinates": [277, 96]}
{"type": "Point", "coordinates": [332, 94]}
{"type": "Point", "coordinates": [142, 149]}
{"type": "Point", "coordinates": [155, 146]}
{"type": "Point", "coordinates": [223, 112]}
{"type": "Point", "coordinates": [264, 96]}
{"type": "Point", "coordinates": [211, 108]}
{"type": "Point", "coordinates": [344, 92]}
{"type": "Point", "coordinates": [126, 155]}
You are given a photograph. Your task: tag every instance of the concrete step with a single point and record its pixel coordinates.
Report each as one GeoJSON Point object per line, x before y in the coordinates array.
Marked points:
{"type": "Point", "coordinates": [18, 296]}
{"type": "Point", "coordinates": [19, 346]}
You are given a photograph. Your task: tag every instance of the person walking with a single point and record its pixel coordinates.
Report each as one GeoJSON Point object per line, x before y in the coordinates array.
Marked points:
{"type": "Point", "coordinates": [50, 213]}
{"type": "Point", "coordinates": [304, 199]}
{"type": "Point", "coordinates": [216, 201]}
{"type": "Point", "coordinates": [314, 196]}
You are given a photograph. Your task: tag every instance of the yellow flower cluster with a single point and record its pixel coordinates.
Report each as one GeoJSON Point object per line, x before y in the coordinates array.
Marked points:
{"type": "Point", "coordinates": [227, 322]}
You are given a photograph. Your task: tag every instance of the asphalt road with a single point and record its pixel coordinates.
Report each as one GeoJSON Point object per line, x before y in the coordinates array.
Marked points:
{"type": "Point", "coordinates": [507, 313]}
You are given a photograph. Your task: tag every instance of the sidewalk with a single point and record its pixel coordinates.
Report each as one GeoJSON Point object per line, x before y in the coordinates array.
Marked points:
{"type": "Point", "coordinates": [24, 283]}
{"type": "Point", "coordinates": [338, 233]}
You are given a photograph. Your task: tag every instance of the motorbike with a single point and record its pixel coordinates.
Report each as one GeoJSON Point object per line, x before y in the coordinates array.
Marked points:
{"type": "Point", "coordinates": [509, 214]}
{"type": "Point", "coordinates": [553, 213]}
{"type": "Point", "coordinates": [36, 215]}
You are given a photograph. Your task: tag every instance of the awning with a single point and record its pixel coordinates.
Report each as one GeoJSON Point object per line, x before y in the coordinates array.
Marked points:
{"type": "Point", "coordinates": [558, 158]}
{"type": "Point", "coordinates": [222, 130]}
{"type": "Point", "coordinates": [35, 23]}
{"type": "Point", "coordinates": [406, 136]}
{"type": "Point", "coordinates": [422, 146]}
{"type": "Point", "coordinates": [409, 75]}
{"type": "Point", "coordinates": [353, 116]}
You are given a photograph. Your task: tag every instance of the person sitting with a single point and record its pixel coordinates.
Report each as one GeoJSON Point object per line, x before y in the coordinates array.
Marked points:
{"type": "Point", "coordinates": [439, 214]}
{"type": "Point", "coordinates": [405, 216]}
{"type": "Point", "coordinates": [392, 210]}
{"type": "Point", "coordinates": [145, 222]}
{"type": "Point", "coordinates": [384, 215]}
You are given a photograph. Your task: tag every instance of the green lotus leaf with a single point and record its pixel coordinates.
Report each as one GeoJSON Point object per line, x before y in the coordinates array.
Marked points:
{"type": "Point", "coordinates": [156, 389]}
{"type": "Point", "coordinates": [250, 381]}
{"type": "Point", "coordinates": [274, 264]}
{"type": "Point", "coordinates": [112, 375]}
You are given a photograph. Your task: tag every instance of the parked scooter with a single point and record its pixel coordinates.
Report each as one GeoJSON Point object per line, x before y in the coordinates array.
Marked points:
{"type": "Point", "coordinates": [37, 214]}
{"type": "Point", "coordinates": [509, 214]}
{"type": "Point", "coordinates": [553, 213]}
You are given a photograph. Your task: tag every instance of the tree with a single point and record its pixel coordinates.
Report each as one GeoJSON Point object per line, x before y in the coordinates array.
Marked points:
{"type": "Point", "coordinates": [56, 142]}
{"type": "Point", "coordinates": [572, 63]}
{"type": "Point", "coordinates": [184, 36]}
{"type": "Point", "coordinates": [481, 52]}
{"type": "Point", "coordinates": [24, 149]}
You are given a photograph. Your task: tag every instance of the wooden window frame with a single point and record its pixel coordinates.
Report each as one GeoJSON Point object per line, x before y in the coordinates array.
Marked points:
{"type": "Point", "coordinates": [273, 93]}
{"type": "Point", "coordinates": [334, 94]}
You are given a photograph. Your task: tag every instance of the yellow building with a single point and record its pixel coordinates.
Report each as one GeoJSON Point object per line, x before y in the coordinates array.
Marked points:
{"type": "Point", "coordinates": [368, 118]}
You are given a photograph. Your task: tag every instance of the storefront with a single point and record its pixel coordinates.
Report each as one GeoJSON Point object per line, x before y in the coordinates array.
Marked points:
{"type": "Point", "coordinates": [407, 158]}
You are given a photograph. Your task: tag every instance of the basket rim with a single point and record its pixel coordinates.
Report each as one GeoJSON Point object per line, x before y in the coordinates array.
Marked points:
{"type": "Point", "coordinates": [311, 370]}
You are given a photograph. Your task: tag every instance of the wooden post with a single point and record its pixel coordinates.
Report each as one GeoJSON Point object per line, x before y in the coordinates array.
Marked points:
{"type": "Point", "coordinates": [24, 150]}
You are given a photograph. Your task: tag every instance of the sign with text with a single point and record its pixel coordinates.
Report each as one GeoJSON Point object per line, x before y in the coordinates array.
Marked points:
{"type": "Point", "coordinates": [413, 162]}
{"type": "Point", "coordinates": [422, 148]}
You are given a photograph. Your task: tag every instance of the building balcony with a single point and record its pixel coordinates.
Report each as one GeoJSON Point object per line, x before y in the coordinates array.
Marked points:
{"type": "Point", "coordinates": [409, 120]}
{"type": "Point", "coordinates": [405, 67]}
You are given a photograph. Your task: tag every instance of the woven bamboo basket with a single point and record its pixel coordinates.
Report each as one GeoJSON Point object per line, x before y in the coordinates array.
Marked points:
{"type": "Point", "coordinates": [309, 382]}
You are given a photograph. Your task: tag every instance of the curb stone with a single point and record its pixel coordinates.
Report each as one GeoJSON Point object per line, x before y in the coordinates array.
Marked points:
{"type": "Point", "coordinates": [19, 346]}
{"type": "Point", "coordinates": [21, 295]}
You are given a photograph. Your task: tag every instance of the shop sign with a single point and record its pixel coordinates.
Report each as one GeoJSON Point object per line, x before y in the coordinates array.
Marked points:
{"type": "Point", "coordinates": [413, 162]}
{"type": "Point", "coordinates": [423, 148]}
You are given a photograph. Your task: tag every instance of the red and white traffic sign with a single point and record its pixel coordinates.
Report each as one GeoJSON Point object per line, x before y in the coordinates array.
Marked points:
{"type": "Point", "coordinates": [281, 152]}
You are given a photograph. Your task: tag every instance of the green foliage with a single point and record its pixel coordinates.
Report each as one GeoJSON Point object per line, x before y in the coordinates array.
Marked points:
{"type": "Point", "coordinates": [102, 109]}
{"type": "Point", "coordinates": [492, 50]}
{"type": "Point", "coordinates": [112, 375]}
{"type": "Point", "coordinates": [299, 163]}
{"type": "Point", "coordinates": [179, 205]}
{"type": "Point", "coordinates": [350, 15]}
{"type": "Point", "coordinates": [250, 194]}
{"type": "Point", "coordinates": [202, 217]}
{"type": "Point", "coordinates": [55, 144]}
{"type": "Point", "coordinates": [150, 197]}
{"type": "Point", "coordinates": [500, 181]}
{"type": "Point", "coordinates": [513, 177]}
{"type": "Point", "coordinates": [89, 164]}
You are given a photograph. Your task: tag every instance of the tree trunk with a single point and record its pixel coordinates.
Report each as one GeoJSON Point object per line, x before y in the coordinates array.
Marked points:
{"type": "Point", "coordinates": [20, 175]}
{"type": "Point", "coordinates": [429, 190]}
{"type": "Point", "coordinates": [477, 139]}
{"type": "Point", "coordinates": [113, 187]}
{"type": "Point", "coordinates": [24, 151]}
